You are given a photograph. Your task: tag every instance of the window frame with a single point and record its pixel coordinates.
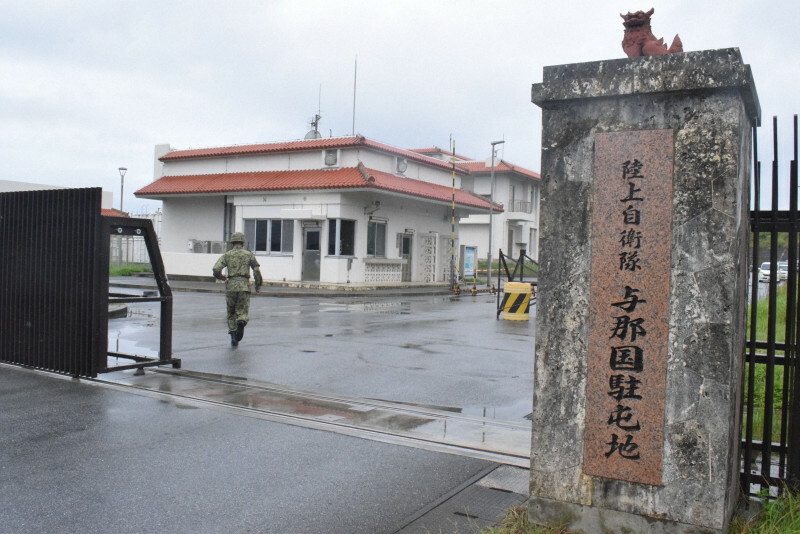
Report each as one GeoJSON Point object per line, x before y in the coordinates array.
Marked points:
{"type": "Point", "coordinates": [336, 243]}
{"type": "Point", "coordinates": [261, 236]}
{"type": "Point", "coordinates": [374, 238]}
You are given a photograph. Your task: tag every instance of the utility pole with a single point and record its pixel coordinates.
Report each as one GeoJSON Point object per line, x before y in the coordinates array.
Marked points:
{"type": "Point", "coordinates": [491, 209]}
{"type": "Point", "coordinates": [122, 171]}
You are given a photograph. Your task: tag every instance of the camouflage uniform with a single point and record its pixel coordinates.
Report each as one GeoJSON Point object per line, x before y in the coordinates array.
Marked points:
{"type": "Point", "coordinates": [239, 261]}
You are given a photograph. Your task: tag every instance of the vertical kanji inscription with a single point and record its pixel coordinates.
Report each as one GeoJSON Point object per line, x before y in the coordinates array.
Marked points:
{"type": "Point", "coordinates": [631, 243]}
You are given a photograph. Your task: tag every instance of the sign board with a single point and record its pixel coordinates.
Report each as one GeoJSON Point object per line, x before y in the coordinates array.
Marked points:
{"type": "Point", "coordinates": [628, 325]}
{"type": "Point", "coordinates": [470, 264]}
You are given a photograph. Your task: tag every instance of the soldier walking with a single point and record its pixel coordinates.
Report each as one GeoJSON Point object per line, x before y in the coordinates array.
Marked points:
{"type": "Point", "coordinates": [238, 261]}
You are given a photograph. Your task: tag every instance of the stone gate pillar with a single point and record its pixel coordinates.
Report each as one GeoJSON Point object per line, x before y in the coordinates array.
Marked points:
{"type": "Point", "coordinates": [640, 322]}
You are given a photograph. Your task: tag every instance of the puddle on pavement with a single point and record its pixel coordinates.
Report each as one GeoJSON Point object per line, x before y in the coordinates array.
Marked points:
{"type": "Point", "coordinates": [501, 429]}
{"type": "Point", "coordinates": [399, 419]}
{"type": "Point", "coordinates": [122, 330]}
{"type": "Point", "coordinates": [512, 412]}
{"type": "Point", "coordinates": [378, 307]}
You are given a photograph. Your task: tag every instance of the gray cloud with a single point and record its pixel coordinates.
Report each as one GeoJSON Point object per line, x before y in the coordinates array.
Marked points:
{"type": "Point", "coordinates": [88, 87]}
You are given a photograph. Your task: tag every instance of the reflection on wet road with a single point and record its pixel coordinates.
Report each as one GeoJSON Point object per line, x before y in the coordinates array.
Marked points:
{"type": "Point", "coordinates": [430, 371]}
{"type": "Point", "coordinates": [430, 428]}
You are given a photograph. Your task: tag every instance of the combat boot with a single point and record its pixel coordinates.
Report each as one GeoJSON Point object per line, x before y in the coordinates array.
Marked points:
{"type": "Point", "coordinates": [240, 330]}
{"type": "Point", "coordinates": [234, 340]}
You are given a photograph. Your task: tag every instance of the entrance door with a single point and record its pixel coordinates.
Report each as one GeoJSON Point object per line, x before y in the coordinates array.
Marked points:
{"type": "Point", "coordinates": [311, 255]}
{"type": "Point", "coordinates": [405, 253]}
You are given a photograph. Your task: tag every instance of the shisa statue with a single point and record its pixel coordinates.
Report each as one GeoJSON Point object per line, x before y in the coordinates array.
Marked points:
{"type": "Point", "coordinates": [639, 39]}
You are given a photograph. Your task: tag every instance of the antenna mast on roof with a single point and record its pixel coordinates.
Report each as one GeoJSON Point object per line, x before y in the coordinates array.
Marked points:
{"type": "Point", "coordinates": [355, 79]}
{"type": "Point", "coordinates": [314, 132]}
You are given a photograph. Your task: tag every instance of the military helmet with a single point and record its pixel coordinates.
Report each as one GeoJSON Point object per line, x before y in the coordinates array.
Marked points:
{"type": "Point", "coordinates": [237, 237]}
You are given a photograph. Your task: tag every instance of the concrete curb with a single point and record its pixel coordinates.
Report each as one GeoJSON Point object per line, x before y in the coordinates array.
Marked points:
{"type": "Point", "coordinates": [275, 290]}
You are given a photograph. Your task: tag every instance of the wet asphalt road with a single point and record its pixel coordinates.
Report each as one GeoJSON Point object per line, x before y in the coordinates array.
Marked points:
{"type": "Point", "coordinates": [432, 350]}
{"type": "Point", "coordinates": [78, 457]}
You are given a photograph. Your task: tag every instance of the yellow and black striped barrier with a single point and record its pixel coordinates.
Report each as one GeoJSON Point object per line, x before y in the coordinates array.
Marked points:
{"type": "Point", "coordinates": [516, 303]}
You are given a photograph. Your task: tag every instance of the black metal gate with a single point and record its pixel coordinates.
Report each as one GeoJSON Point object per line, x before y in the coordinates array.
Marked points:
{"type": "Point", "coordinates": [771, 400]}
{"type": "Point", "coordinates": [54, 283]}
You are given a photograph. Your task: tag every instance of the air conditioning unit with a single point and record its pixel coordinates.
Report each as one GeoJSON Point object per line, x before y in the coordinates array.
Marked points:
{"type": "Point", "coordinates": [330, 157]}
{"type": "Point", "coordinates": [218, 247]}
{"type": "Point", "coordinates": [401, 165]}
{"type": "Point", "coordinates": [199, 247]}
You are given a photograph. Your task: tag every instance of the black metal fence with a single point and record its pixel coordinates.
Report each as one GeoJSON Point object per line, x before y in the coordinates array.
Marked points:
{"type": "Point", "coordinates": [54, 283]}
{"type": "Point", "coordinates": [771, 403]}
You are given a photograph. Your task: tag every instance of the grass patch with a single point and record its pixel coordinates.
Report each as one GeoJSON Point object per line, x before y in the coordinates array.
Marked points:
{"type": "Point", "coordinates": [762, 314]}
{"type": "Point", "coordinates": [779, 516]}
{"type": "Point", "coordinates": [528, 269]}
{"type": "Point", "coordinates": [517, 522]}
{"type": "Point", "coordinates": [126, 269]}
{"type": "Point", "coordinates": [759, 389]}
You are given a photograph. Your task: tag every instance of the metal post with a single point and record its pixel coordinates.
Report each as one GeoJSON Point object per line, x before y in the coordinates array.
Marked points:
{"type": "Point", "coordinates": [122, 171]}
{"type": "Point", "coordinates": [453, 225]}
{"type": "Point", "coordinates": [491, 209]}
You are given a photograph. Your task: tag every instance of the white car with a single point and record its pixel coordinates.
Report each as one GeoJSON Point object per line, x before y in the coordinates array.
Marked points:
{"type": "Point", "coordinates": [763, 272]}
{"type": "Point", "coordinates": [766, 267]}
{"type": "Point", "coordinates": [783, 270]}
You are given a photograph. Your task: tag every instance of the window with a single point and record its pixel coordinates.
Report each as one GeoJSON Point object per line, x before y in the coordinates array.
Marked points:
{"type": "Point", "coordinates": [341, 237]}
{"type": "Point", "coordinates": [272, 236]}
{"type": "Point", "coordinates": [376, 239]}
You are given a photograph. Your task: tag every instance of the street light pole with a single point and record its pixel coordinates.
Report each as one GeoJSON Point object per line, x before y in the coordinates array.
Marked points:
{"type": "Point", "coordinates": [491, 209]}
{"type": "Point", "coordinates": [122, 171]}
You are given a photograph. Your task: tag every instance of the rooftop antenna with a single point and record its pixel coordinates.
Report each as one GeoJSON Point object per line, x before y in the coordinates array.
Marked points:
{"type": "Point", "coordinates": [355, 80]}
{"type": "Point", "coordinates": [314, 132]}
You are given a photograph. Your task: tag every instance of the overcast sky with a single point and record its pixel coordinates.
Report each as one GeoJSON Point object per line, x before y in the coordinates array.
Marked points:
{"type": "Point", "coordinates": [87, 87]}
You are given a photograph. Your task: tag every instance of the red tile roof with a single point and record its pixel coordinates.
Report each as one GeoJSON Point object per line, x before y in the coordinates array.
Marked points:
{"type": "Point", "coordinates": [305, 145]}
{"type": "Point", "coordinates": [110, 212]}
{"type": "Point", "coordinates": [499, 166]}
{"type": "Point", "coordinates": [316, 179]}
{"type": "Point", "coordinates": [478, 166]}
{"type": "Point", "coordinates": [390, 182]}
{"type": "Point", "coordinates": [437, 150]}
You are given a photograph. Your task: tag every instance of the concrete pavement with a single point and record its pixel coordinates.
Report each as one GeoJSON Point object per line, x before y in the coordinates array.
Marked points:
{"type": "Point", "coordinates": [80, 456]}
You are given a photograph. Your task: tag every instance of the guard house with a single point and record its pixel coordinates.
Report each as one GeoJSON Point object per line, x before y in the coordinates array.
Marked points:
{"type": "Point", "coordinates": [344, 210]}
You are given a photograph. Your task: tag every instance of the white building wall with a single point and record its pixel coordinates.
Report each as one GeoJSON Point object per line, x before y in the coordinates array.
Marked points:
{"type": "Point", "coordinates": [475, 235]}
{"type": "Point", "coordinates": [481, 185]}
{"type": "Point", "coordinates": [188, 264]}
{"type": "Point", "coordinates": [388, 163]}
{"type": "Point", "coordinates": [295, 206]}
{"type": "Point", "coordinates": [191, 218]}
{"type": "Point", "coordinates": [300, 161]}
{"type": "Point", "coordinates": [158, 166]}
{"type": "Point", "coordinates": [474, 230]}
{"type": "Point", "coordinates": [268, 162]}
